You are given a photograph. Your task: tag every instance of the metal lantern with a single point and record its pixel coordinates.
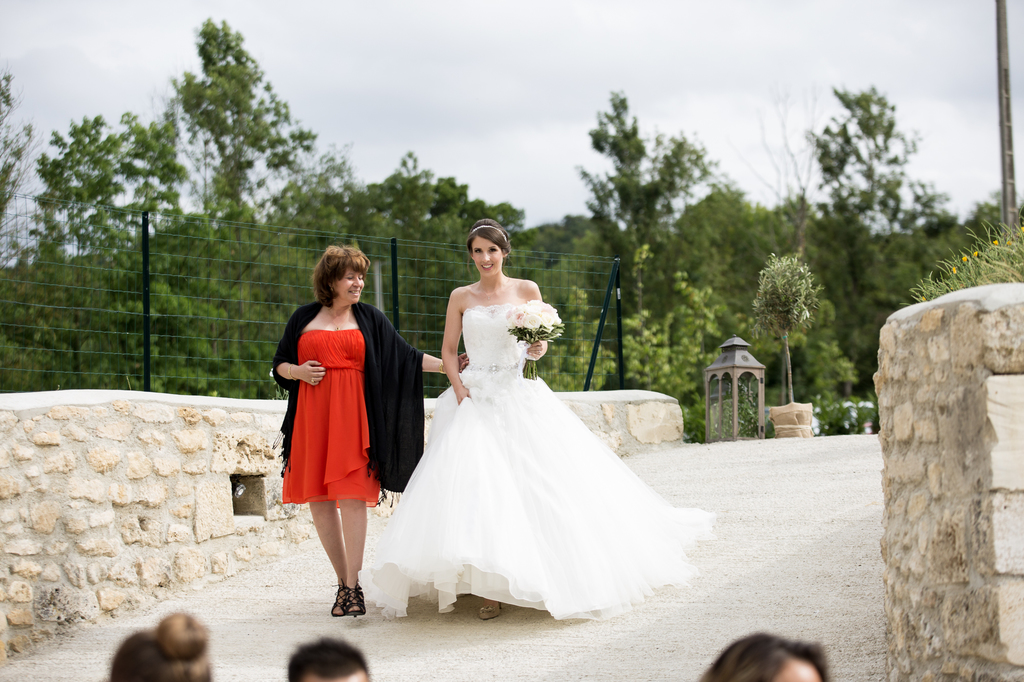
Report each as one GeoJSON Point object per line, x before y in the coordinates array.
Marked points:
{"type": "Point", "coordinates": [734, 394]}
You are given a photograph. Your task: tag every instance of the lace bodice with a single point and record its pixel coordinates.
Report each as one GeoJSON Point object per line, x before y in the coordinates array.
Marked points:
{"type": "Point", "coordinates": [494, 354]}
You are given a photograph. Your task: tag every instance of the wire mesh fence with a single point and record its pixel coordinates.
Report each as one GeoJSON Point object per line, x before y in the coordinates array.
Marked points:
{"type": "Point", "coordinates": [76, 279]}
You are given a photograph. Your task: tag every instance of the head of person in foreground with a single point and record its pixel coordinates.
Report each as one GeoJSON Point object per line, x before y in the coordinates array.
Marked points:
{"type": "Point", "coordinates": [766, 658]}
{"type": "Point", "coordinates": [174, 651]}
{"type": "Point", "coordinates": [328, 660]}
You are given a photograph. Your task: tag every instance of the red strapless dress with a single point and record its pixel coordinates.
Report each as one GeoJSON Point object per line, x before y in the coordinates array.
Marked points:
{"type": "Point", "coordinates": [331, 435]}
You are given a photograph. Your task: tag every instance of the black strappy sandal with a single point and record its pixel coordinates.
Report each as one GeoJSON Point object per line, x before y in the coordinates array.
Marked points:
{"type": "Point", "coordinates": [340, 601]}
{"type": "Point", "coordinates": [355, 604]}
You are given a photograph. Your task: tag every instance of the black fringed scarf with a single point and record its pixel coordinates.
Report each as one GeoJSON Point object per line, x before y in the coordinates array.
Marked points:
{"type": "Point", "coordinates": [393, 392]}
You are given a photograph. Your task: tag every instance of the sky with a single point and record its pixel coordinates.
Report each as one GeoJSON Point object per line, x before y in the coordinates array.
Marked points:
{"type": "Point", "coordinates": [501, 95]}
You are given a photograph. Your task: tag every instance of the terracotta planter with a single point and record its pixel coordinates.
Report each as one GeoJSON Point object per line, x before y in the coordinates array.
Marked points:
{"type": "Point", "coordinates": [792, 420]}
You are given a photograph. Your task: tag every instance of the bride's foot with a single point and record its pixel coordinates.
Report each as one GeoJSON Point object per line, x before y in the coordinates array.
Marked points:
{"type": "Point", "coordinates": [490, 609]}
{"type": "Point", "coordinates": [338, 609]}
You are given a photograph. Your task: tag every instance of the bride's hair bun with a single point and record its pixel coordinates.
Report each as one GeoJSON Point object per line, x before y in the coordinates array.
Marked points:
{"type": "Point", "coordinates": [175, 651]}
{"type": "Point", "coordinates": [181, 637]}
{"type": "Point", "coordinates": [492, 231]}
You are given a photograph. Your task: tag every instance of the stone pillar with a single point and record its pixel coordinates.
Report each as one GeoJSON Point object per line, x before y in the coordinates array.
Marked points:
{"type": "Point", "coordinates": [950, 386]}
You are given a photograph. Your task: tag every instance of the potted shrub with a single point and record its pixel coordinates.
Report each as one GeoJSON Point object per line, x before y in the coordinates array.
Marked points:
{"type": "Point", "coordinates": [787, 299]}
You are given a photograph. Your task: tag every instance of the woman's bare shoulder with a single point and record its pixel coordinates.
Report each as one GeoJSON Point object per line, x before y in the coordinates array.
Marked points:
{"type": "Point", "coordinates": [527, 290]}
{"type": "Point", "coordinates": [460, 297]}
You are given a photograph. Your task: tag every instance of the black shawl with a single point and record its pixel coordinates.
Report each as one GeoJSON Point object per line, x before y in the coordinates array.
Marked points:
{"type": "Point", "coordinates": [393, 392]}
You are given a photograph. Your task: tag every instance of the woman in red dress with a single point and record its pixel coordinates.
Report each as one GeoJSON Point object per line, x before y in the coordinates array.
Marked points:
{"type": "Point", "coordinates": [355, 413]}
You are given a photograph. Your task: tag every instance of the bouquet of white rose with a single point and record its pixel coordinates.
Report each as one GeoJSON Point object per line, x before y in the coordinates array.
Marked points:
{"type": "Point", "coordinates": [531, 322]}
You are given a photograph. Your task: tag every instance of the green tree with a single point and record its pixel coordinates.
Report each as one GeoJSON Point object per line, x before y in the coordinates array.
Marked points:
{"type": "Point", "coordinates": [240, 135]}
{"type": "Point", "coordinates": [652, 179]}
{"type": "Point", "coordinates": [16, 142]}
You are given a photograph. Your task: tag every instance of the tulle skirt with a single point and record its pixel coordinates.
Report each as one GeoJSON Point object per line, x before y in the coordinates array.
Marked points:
{"type": "Point", "coordinates": [516, 500]}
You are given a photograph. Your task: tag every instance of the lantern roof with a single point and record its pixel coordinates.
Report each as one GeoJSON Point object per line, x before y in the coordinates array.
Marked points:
{"type": "Point", "coordinates": [735, 354]}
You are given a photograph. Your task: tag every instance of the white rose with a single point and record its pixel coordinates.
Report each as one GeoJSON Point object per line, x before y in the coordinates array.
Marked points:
{"type": "Point", "coordinates": [531, 320]}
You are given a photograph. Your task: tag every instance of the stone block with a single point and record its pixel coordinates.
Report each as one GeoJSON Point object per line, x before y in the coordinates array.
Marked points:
{"type": "Point", "coordinates": [92, 490]}
{"type": "Point", "coordinates": [241, 417]}
{"type": "Point", "coordinates": [139, 466]}
{"type": "Point", "coordinates": [272, 548]}
{"type": "Point", "coordinates": [154, 413]}
{"type": "Point", "coordinates": [61, 604]}
{"type": "Point", "coordinates": [100, 412]}
{"type": "Point", "coordinates": [177, 532]}
{"type": "Point", "coordinates": [214, 515]}
{"type": "Point", "coordinates": [64, 412]}
{"type": "Point", "coordinates": [19, 592]}
{"type": "Point", "coordinates": [133, 532]}
{"type": "Point", "coordinates": [20, 617]}
{"type": "Point", "coordinates": [26, 569]}
{"type": "Point", "coordinates": [23, 547]}
{"type": "Point", "coordinates": [76, 574]}
{"type": "Point", "coordinates": [608, 410]}
{"type": "Point", "coordinates": [242, 451]}
{"type": "Point", "coordinates": [103, 460]}
{"type": "Point", "coordinates": [613, 440]}
{"type": "Point", "coordinates": [214, 417]}
{"type": "Point", "coordinates": [123, 573]}
{"type": "Point", "coordinates": [75, 433]}
{"type": "Point", "coordinates": [1004, 406]}
{"type": "Point", "coordinates": [44, 516]}
{"type": "Point", "coordinates": [51, 573]}
{"type": "Point", "coordinates": [7, 420]}
{"type": "Point", "coordinates": [1002, 331]}
{"type": "Point", "coordinates": [903, 422]}
{"type": "Point", "coordinates": [191, 441]}
{"type": "Point", "coordinates": [109, 598]}
{"type": "Point", "coordinates": [189, 564]}
{"type": "Point", "coordinates": [46, 438]}
{"type": "Point", "coordinates": [196, 467]}
{"type": "Point", "coordinates": [152, 495]}
{"type": "Point", "coordinates": [908, 469]}
{"type": "Point", "coordinates": [926, 430]}
{"type": "Point", "coordinates": [22, 453]}
{"type": "Point", "coordinates": [183, 510]}
{"type": "Point", "coordinates": [118, 431]}
{"type": "Point", "coordinates": [152, 437]}
{"type": "Point", "coordinates": [244, 553]}
{"type": "Point", "coordinates": [655, 422]}
{"type": "Point", "coordinates": [947, 551]}
{"type": "Point", "coordinates": [104, 518]}
{"type": "Point", "coordinates": [931, 320]}
{"type": "Point", "coordinates": [122, 406]}
{"type": "Point", "coordinates": [63, 462]}
{"type": "Point", "coordinates": [96, 573]}
{"type": "Point", "coordinates": [190, 415]}
{"type": "Point", "coordinates": [98, 547]}
{"type": "Point", "coordinates": [120, 494]}
{"type": "Point", "coordinates": [166, 466]}
{"type": "Point", "coordinates": [1011, 621]}
{"type": "Point", "coordinates": [916, 505]}
{"type": "Point", "coordinates": [970, 622]}
{"type": "Point", "coordinates": [152, 572]}
{"type": "Point", "coordinates": [9, 487]}
{"type": "Point", "coordinates": [55, 548]}
{"type": "Point", "coordinates": [219, 563]}
{"type": "Point", "coordinates": [1008, 532]}
{"type": "Point", "coordinates": [76, 525]}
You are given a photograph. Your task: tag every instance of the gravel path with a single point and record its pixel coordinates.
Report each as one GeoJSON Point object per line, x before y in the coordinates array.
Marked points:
{"type": "Point", "coordinates": [797, 554]}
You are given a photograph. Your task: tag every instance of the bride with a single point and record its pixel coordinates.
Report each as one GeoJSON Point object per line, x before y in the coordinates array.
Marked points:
{"type": "Point", "coordinates": [515, 500]}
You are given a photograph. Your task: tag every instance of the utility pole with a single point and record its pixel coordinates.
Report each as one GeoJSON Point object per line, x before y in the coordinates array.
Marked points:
{"type": "Point", "coordinates": [1009, 203]}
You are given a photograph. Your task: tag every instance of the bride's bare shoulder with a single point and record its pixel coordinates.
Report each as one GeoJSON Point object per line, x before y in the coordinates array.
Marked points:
{"type": "Point", "coordinates": [528, 290]}
{"type": "Point", "coordinates": [460, 298]}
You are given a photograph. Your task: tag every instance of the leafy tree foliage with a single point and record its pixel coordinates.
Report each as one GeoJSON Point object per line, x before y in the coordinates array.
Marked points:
{"type": "Point", "coordinates": [16, 141]}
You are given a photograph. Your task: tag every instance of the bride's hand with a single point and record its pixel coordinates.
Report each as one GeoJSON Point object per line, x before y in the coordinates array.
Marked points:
{"type": "Point", "coordinates": [461, 393]}
{"type": "Point", "coordinates": [537, 350]}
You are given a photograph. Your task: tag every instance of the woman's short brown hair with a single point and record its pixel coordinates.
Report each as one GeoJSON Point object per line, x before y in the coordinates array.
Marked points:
{"type": "Point", "coordinates": [174, 652]}
{"type": "Point", "coordinates": [492, 231]}
{"type": "Point", "coordinates": [336, 261]}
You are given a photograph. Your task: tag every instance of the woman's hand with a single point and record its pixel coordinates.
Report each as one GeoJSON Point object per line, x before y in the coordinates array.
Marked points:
{"type": "Point", "coordinates": [310, 371]}
{"type": "Point", "coordinates": [537, 350]}
{"type": "Point", "coordinates": [461, 393]}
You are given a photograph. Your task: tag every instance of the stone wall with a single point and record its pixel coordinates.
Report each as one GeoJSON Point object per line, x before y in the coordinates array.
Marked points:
{"type": "Point", "coordinates": [950, 385]}
{"type": "Point", "coordinates": [110, 500]}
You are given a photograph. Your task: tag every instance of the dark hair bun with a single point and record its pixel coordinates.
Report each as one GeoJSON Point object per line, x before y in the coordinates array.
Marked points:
{"type": "Point", "coordinates": [181, 637]}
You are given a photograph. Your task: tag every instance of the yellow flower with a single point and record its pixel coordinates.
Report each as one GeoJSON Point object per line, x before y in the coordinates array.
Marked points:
{"type": "Point", "coordinates": [964, 259]}
{"type": "Point", "coordinates": [954, 269]}
{"type": "Point", "coordinates": [975, 254]}
{"type": "Point", "coordinates": [996, 242]}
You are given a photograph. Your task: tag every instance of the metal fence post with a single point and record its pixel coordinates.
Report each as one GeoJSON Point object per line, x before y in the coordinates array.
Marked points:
{"type": "Point", "coordinates": [600, 324]}
{"type": "Point", "coordinates": [618, 321]}
{"type": "Point", "coordinates": [394, 283]}
{"type": "Point", "coordinates": [145, 302]}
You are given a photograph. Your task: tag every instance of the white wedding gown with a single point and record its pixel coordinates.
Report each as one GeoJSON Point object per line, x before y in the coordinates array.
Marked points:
{"type": "Point", "coordinates": [516, 500]}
